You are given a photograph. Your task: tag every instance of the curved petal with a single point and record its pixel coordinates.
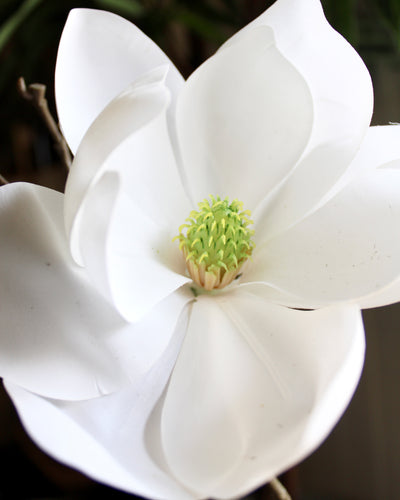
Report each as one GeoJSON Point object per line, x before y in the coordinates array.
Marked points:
{"type": "Point", "coordinates": [379, 149]}
{"type": "Point", "coordinates": [384, 297]}
{"type": "Point", "coordinates": [137, 347]}
{"type": "Point", "coordinates": [256, 388]}
{"type": "Point", "coordinates": [125, 228]}
{"type": "Point", "coordinates": [52, 339]}
{"type": "Point", "coordinates": [141, 265]}
{"type": "Point", "coordinates": [246, 113]}
{"type": "Point", "coordinates": [349, 248]}
{"type": "Point", "coordinates": [100, 54]}
{"type": "Point", "coordinates": [103, 438]}
{"type": "Point", "coordinates": [128, 113]}
{"type": "Point", "coordinates": [342, 96]}
{"type": "Point", "coordinates": [59, 337]}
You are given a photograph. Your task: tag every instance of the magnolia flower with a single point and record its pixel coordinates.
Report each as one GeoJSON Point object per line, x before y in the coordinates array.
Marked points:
{"type": "Point", "coordinates": [197, 359]}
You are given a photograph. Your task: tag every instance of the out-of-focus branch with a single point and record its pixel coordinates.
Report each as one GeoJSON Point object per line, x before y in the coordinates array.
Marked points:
{"type": "Point", "coordinates": [35, 93]}
{"type": "Point", "coordinates": [3, 181]}
{"type": "Point", "coordinates": [280, 491]}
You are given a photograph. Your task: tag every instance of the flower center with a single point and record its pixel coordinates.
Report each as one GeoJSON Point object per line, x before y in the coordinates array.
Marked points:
{"type": "Point", "coordinates": [216, 241]}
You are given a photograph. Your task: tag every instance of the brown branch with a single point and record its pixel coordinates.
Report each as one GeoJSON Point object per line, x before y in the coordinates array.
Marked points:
{"type": "Point", "coordinates": [35, 93]}
{"type": "Point", "coordinates": [3, 181]}
{"type": "Point", "coordinates": [280, 491]}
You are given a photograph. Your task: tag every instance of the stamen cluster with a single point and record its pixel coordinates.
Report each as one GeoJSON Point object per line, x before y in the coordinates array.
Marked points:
{"type": "Point", "coordinates": [216, 241]}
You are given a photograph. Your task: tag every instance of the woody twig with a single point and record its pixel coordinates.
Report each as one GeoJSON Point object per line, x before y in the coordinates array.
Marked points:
{"type": "Point", "coordinates": [280, 491]}
{"type": "Point", "coordinates": [35, 93]}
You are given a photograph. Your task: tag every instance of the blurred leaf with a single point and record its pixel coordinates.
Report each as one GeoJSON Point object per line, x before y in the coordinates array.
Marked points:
{"type": "Point", "coordinates": [8, 5]}
{"type": "Point", "coordinates": [389, 13]}
{"type": "Point", "coordinates": [214, 12]}
{"type": "Point", "coordinates": [13, 22]}
{"type": "Point", "coordinates": [129, 8]}
{"type": "Point", "coordinates": [342, 14]}
{"type": "Point", "coordinates": [201, 25]}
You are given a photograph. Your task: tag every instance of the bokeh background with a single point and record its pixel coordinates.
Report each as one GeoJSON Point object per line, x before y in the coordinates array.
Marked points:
{"type": "Point", "coordinates": [361, 458]}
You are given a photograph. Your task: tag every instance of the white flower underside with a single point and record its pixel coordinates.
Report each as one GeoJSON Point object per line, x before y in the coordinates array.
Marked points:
{"type": "Point", "coordinates": [206, 397]}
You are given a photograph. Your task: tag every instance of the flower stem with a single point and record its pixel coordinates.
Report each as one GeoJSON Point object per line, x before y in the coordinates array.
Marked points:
{"type": "Point", "coordinates": [280, 491]}
{"type": "Point", "coordinates": [35, 93]}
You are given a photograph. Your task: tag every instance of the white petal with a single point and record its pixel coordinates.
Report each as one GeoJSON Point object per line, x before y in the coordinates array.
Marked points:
{"type": "Point", "coordinates": [385, 296]}
{"type": "Point", "coordinates": [342, 95]}
{"type": "Point", "coordinates": [380, 149]}
{"type": "Point", "coordinates": [255, 389]}
{"type": "Point", "coordinates": [59, 337]}
{"type": "Point", "coordinates": [138, 346]}
{"type": "Point", "coordinates": [104, 438]}
{"type": "Point", "coordinates": [132, 110]}
{"type": "Point", "coordinates": [349, 248]}
{"type": "Point", "coordinates": [54, 324]}
{"type": "Point", "coordinates": [243, 120]}
{"type": "Point", "coordinates": [127, 222]}
{"type": "Point", "coordinates": [138, 286]}
{"type": "Point", "coordinates": [100, 54]}
{"type": "Point", "coordinates": [139, 260]}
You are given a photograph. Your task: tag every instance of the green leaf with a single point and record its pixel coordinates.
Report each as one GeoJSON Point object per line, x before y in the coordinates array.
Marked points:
{"type": "Point", "coordinates": [129, 8]}
{"type": "Point", "coordinates": [13, 22]}
{"type": "Point", "coordinates": [389, 14]}
{"type": "Point", "coordinates": [201, 25]}
{"type": "Point", "coordinates": [342, 15]}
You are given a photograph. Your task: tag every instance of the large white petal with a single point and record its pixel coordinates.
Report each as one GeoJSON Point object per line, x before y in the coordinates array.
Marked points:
{"type": "Point", "coordinates": [385, 296]}
{"type": "Point", "coordinates": [100, 54]}
{"type": "Point", "coordinates": [52, 338]}
{"type": "Point", "coordinates": [127, 114]}
{"type": "Point", "coordinates": [104, 437]}
{"type": "Point", "coordinates": [243, 120]}
{"type": "Point", "coordinates": [347, 249]}
{"type": "Point", "coordinates": [136, 347]}
{"type": "Point", "coordinates": [256, 387]}
{"type": "Point", "coordinates": [141, 265]}
{"type": "Point", "coordinates": [58, 336]}
{"type": "Point", "coordinates": [380, 148]}
{"type": "Point", "coordinates": [125, 202]}
{"type": "Point", "coordinates": [342, 95]}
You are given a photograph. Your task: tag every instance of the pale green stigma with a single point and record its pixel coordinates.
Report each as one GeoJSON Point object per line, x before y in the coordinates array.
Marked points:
{"type": "Point", "coordinates": [216, 241]}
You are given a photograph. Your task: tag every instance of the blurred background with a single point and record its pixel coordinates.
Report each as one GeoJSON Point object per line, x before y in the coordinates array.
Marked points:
{"type": "Point", "coordinates": [361, 458]}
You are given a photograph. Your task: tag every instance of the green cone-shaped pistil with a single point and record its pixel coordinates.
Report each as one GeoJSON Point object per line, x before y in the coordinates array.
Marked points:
{"type": "Point", "coordinates": [216, 241]}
